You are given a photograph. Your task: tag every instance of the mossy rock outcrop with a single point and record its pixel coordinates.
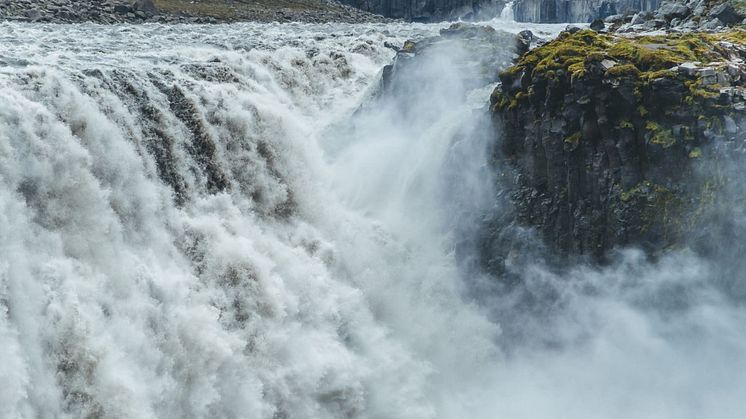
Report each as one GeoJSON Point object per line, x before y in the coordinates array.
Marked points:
{"type": "Point", "coordinates": [606, 131]}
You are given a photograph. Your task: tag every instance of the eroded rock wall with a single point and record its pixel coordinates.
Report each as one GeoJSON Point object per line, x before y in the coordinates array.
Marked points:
{"type": "Point", "coordinates": [556, 11]}
{"type": "Point", "coordinates": [431, 10]}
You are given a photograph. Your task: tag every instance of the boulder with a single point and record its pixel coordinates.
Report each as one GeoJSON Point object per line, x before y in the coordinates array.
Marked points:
{"type": "Point", "coordinates": [727, 13]}
{"type": "Point", "coordinates": [688, 69]}
{"type": "Point", "coordinates": [146, 6]}
{"type": "Point", "coordinates": [122, 9]}
{"type": "Point", "coordinates": [615, 19]}
{"type": "Point", "coordinates": [523, 42]}
{"type": "Point", "coordinates": [711, 24]}
{"type": "Point", "coordinates": [670, 10]}
{"type": "Point", "coordinates": [33, 15]}
{"type": "Point", "coordinates": [642, 17]}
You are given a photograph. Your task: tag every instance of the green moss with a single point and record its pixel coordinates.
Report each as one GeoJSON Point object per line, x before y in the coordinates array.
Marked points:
{"type": "Point", "coordinates": [574, 139]}
{"type": "Point", "coordinates": [659, 135]}
{"type": "Point", "coordinates": [549, 72]}
{"type": "Point", "coordinates": [499, 100]}
{"type": "Point", "coordinates": [652, 75]}
{"type": "Point", "coordinates": [695, 153]}
{"type": "Point", "coordinates": [687, 133]}
{"type": "Point", "coordinates": [595, 56]}
{"type": "Point", "coordinates": [699, 91]}
{"type": "Point", "coordinates": [648, 57]}
{"type": "Point", "coordinates": [577, 70]}
{"type": "Point", "coordinates": [511, 72]}
{"type": "Point", "coordinates": [658, 207]}
{"type": "Point", "coordinates": [409, 46]}
{"type": "Point", "coordinates": [655, 53]}
{"type": "Point", "coordinates": [565, 51]}
{"type": "Point", "coordinates": [623, 70]}
{"type": "Point", "coordinates": [625, 124]}
{"type": "Point", "coordinates": [639, 189]}
{"type": "Point", "coordinates": [515, 101]}
{"type": "Point", "coordinates": [737, 35]}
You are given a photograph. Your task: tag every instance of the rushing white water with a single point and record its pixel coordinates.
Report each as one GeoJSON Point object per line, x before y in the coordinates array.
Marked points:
{"type": "Point", "coordinates": [194, 222]}
{"type": "Point", "coordinates": [507, 12]}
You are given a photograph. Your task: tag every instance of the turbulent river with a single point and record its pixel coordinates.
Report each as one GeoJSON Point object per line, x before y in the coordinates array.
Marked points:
{"type": "Point", "coordinates": [226, 222]}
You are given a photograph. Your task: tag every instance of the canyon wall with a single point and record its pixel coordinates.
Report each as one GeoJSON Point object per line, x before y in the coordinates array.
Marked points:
{"type": "Point", "coordinates": [431, 10]}
{"type": "Point", "coordinates": [556, 11]}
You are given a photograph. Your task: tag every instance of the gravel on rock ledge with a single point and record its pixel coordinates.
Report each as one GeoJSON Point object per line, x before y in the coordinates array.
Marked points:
{"type": "Point", "coordinates": [181, 11]}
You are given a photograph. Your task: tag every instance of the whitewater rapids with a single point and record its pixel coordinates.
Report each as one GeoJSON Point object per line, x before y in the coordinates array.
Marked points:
{"type": "Point", "coordinates": [203, 222]}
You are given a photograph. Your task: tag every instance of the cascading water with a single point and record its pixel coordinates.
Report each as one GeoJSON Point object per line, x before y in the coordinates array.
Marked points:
{"type": "Point", "coordinates": [507, 12]}
{"type": "Point", "coordinates": [200, 221]}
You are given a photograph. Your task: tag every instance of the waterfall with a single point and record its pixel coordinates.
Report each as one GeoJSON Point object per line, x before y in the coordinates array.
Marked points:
{"type": "Point", "coordinates": [228, 221]}
{"type": "Point", "coordinates": [507, 12]}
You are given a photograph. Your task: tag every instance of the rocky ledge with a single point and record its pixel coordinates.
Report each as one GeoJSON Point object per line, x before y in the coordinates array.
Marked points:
{"type": "Point", "coordinates": [682, 15]}
{"type": "Point", "coordinates": [604, 133]}
{"type": "Point", "coordinates": [181, 11]}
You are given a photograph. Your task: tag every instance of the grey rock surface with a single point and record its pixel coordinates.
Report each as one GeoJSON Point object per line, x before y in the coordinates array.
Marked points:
{"type": "Point", "coordinates": [579, 11]}
{"type": "Point", "coordinates": [431, 10]}
{"type": "Point", "coordinates": [686, 16]}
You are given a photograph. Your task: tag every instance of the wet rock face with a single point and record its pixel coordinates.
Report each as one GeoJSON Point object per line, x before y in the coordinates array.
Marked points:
{"type": "Point", "coordinates": [557, 11]}
{"type": "Point", "coordinates": [431, 10]}
{"type": "Point", "coordinates": [604, 135]}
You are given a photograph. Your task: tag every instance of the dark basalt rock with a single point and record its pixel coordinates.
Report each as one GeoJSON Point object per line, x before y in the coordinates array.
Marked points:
{"type": "Point", "coordinates": [122, 9]}
{"type": "Point", "coordinates": [146, 6]}
{"type": "Point", "coordinates": [523, 42]}
{"type": "Point", "coordinates": [604, 134]}
{"type": "Point", "coordinates": [727, 13]}
{"type": "Point", "coordinates": [598, 25]}
{"type": "Point", "coordinates": [431, 10]}
{"type": "Point", "coordinates": [671, 10]}
{"type": "Point", "coordinates": [687, 15]}
{"type": "Point", "coordinates": [558, 11]}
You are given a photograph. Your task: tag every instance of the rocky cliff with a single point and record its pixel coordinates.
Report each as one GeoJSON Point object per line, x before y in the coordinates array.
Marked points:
{"type": "Point", "coordinates": [605, 132]}
{"type": "Point", "coordinates": [431, 10]}
{"type": "Point", "coordinates": [555, 11]}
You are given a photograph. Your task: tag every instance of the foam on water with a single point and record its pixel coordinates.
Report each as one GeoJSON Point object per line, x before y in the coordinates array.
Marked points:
{"type": "Point", "coordinates": [194, 222]}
